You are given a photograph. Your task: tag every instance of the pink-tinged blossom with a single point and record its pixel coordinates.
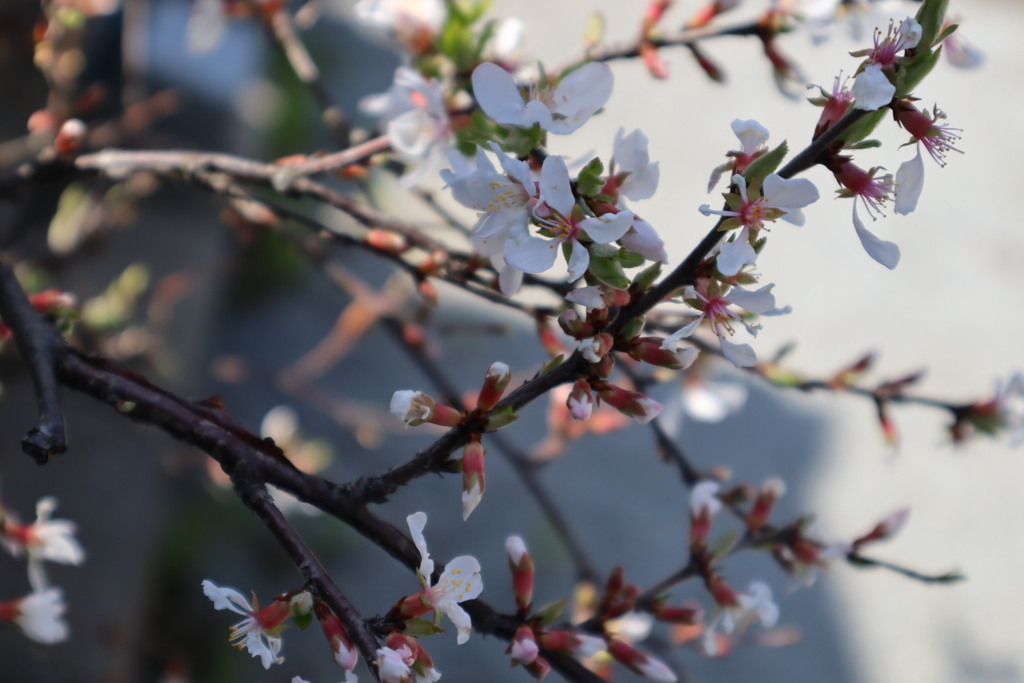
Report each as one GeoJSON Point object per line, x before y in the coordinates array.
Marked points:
{"type": "Point", "coordinates": [259, 632]}
{"type": "Point", "coordinates": [393, 665]}
{"type": "Point", "coordinates": [45, 540]}
{"type": "Point", "coordinates": [413, 114]}
{"type": "Point", "coordinates": [561, 220]}
{"type": "Point", "coordinates": [524, 649]}
{"type": "Point", "coordinates": [938, 139]}
{"type": "Point", "coordinates": [558, 109]}
{"type": "Point", "coordinates": [714, 306]}
{"type": "Point", "coordinates": [753, 143]}
{"type": "Point", "coordinates": [580, 401]}
{"type": "Point", "coordinates": [780, 198]}
{"type": "Point", "coordinates": [39, 615]}
{"type": "Point", "coordinates": [886, 51]}
{"type": "Point", "coordinates": [459, 582]}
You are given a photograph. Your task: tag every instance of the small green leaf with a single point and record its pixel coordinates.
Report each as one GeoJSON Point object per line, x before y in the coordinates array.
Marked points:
{"type": "Point", "coordinates": [551, 364]}
{"type": "Point", "coordinates": [421, 628]}
{"type": "Point", "coordinates": [550, 613]}
{"type": "Point", "coordinates": [500, 418]}
{"type": "Point", "coordinates": [590, 181]}
{"type": "Point", "coordinates": [865, 144]}
{"type": "Point", "coordinates": [724, 544]}
{"type": "Point", "coordinates": [646, 277]}
{"type": "Point", "coordinates": [608, 269]}
{"type": "Point", "coordinates": [760, 167]}
{"type": "Point", "coordinates": [931, 16]}
{"type": "Point", "coordinates": [630, 260]}
{"type": "Point", "coordinates": [302, 620]}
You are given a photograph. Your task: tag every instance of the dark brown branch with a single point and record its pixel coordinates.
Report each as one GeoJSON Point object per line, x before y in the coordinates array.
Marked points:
{"type": "Point", "coordinates": [35, 340]}
{"type": "Point", "coordinates": [254, 496]}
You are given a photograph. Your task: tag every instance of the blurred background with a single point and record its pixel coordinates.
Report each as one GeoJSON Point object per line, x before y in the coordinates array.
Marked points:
{"type": "Point", "coordinates": [177, 286]}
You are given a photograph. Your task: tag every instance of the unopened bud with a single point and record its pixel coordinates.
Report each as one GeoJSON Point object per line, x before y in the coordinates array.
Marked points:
{"type": "Point", "coordinates": [385, 240]}
{"type": "Point", "coordinates": [495, 383]}
{"type": "Point", "coordinates": [473, 483]}
{"type": "Point", "coordinates": [70, 137]}
{"type": "Point", "coordinates": [520, 563]}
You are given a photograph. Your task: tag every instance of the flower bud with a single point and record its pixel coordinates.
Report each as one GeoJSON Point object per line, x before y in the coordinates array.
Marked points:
{"type": "Point", "coordinates": [70, 137]}
{"type": "Point", "coordinates": [415, 407]}
{"type": "Point", "coordinates": [631, 403]}
{"type": "Point", "coordinates": [640, 663]}
{"type": "Point", "coordinates": [580, 401]}
{"type": "Point", "coordinates": [520, 563]}
{"type": "Point", "coordinates": [345, 653]}
{"type": "Point", "coordinates": [770, 493]}
{"type": "Point", "coordinates": [885, 529]}
{"type": "Point", "coordinates": [473, 484]}
{"type": "Point", "coordinates": [495, 383]}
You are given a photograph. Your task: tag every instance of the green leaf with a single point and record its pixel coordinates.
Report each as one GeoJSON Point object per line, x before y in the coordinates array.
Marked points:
{"type": "Point", "coordinates": [551, 365]}
{"type": "Point", "coordinates": [760, 167]}
{"type": "Point", "coordinates": [608, 269]}
{"type": "Point", "coordinates": [632, 329]}
{"type": "Point", "coordinates": [550, 613]}
{"type": "Point", "coordinates": [302, 620]}
{"type": "Point", "coordinates": [865, 144]}
{"type": "Point", "coordinates": [724, 544]}
{"type": "Point", "coordinates": [421, 628]}
{"type": "Point", "coordinates": [646, 277]}
{"type": "Point", "coordinates": [630, 260]}
{"type": "Point", "coordinates": [913, 72]}
{"type": "Point", "coordinates": [500, 418]}
{"type": "Point", "coordinates": [590, 181]}
{"type": "Point", "coordinates": [931, 16]}
{"type": "Point", "coordinates": [864, 126]}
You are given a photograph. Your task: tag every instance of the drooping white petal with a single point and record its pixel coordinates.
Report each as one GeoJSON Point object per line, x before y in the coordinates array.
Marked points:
{"type": "Point", "coordinates": [417, 522]}
{"type": "Point", "coordinates": [496, 92]}
{"type": "Point", "coordinates": [910, 33]}
{"type": "Point", "coordinates": [886, 253]}
{"type": "Point", "coordinates": [909, 183]}
{"type": "Point", "coordinates": [872, 89]}
{"type": "Point", "coordinates": [579, 260]}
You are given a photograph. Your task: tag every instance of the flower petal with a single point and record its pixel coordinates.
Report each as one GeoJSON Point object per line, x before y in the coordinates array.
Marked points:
{"type": "Point", "coordinates": [532, 254]}
{"type": "Point", "coordinates": [732, 256]}
{"type": "Point", "coordinates": [555, 185]}
{"type": "Point", "coordinates": [872, 89]}
{"type": "Point", "coordinates": [607, 227]}
{"type": "Point", "coordinates": [417, 522]}
{"type": "Point", "coordinates": [579, 95]}
{"type": "Point", "coordinates": [741, 355]}
{"type": "Point", "coordinates": [496, 92]}
{"type": "Point", "coordinates": [886, 253]}
{"type": "Point", "coordinates": [909, 183]}
{"type": "Point", "coordinates": [788, 193]}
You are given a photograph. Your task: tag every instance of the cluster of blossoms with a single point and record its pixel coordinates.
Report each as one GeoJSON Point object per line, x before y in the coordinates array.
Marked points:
{"type": "Point", "coordinates": [40, 614]}
{"type": "Point", "coordinates": [402, 659]}
{"type": "Point", "coordinates": [489, 131]}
